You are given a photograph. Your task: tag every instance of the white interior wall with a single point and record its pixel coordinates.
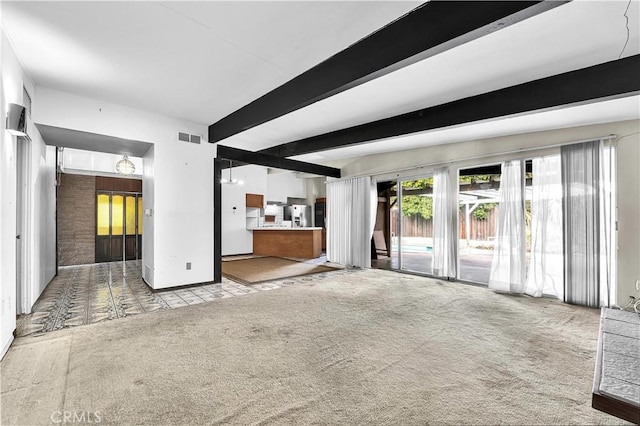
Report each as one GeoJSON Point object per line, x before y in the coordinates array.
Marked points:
{"type": "Point", "coordinates": [40, 217]}
{"type": "Point", "coordinates": [148, 191]}
{"type": "Point", "coordinates": [182, 220]}
{"type": "Point", "coordinates": [183, 213]}
{"type": "Point", "coordinates": [10, 92]}
{"type": "Point", "coordinates": [48, 214]}
{"type": "Point", "coordinates": [79, 161]}
{"type": "Point", "coordinates": [281, 185]}
{"type": "Point", "coordinates": [315, 188]}
{"type": "Point", "coordinates": [473, 150]}
{"type": "Point", "coordinates": [488, 151]}
{"type": "Point", "coordinates": [628, 215]}
{"type": "Point", "coordinates": [42, 238]}
{"type": "Point", "coordinates": [236, 239]}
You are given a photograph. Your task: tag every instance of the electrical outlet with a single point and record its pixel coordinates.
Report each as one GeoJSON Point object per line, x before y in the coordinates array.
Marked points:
{"type": "Point", "coordinates": [638, 285]}
{"type": "Point", "coordinates": [188, 266]}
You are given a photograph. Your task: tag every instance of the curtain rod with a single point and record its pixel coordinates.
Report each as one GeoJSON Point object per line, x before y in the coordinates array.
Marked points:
{"type": "Point", "coordinates": [477, 157]}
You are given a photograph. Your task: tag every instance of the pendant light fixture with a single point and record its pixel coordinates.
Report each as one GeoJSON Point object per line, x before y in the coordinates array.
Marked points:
{"type": "Point", "coordinates": [231, 180]}
{"type": "Point", "coordinates": [125, 166]}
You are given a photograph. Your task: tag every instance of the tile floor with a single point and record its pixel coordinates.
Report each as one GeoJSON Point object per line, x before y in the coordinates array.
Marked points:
{"type": "Point", "coordinates": [104, 291]}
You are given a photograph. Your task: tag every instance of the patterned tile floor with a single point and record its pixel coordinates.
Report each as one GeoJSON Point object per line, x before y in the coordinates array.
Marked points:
{"type": "Point", "coordinates": [104, 291]}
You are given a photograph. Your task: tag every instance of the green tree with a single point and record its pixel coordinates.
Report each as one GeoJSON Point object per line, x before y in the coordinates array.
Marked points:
{"type": "Point", "coordinates": [482, 211]}
{"type": "Point", "coordinates": [417, 204]}
{"type": "Point", "coordinates": [469, 179]}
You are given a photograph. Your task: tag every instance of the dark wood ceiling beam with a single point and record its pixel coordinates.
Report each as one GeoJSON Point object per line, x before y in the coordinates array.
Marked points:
{"type": "Point", "coordinates": [432, 28]}
{"type": "Point", "coordinates": [242, 156]}
{"type": "Point", "coordinates": [610, 80]}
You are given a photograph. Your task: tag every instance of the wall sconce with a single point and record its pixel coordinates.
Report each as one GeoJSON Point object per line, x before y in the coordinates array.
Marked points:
{"type": "Point", "coordinates": [125, 166]}
{"type": "Point", "coordinates": [17, 120]}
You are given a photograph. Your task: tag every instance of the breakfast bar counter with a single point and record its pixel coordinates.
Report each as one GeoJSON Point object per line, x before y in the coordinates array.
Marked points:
{"type": "Point", "coordinates": [305, 243]}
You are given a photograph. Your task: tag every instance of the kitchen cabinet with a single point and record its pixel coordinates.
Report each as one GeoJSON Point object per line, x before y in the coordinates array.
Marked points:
{"type": "Point", "coordinates": [255, 200]}
{"type": "Point", "coordinates": [254, 220]}
{"type": "Point", "coordinates": [254, 204]}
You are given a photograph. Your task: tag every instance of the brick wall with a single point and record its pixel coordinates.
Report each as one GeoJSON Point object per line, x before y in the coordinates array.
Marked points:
{"type": "Point", "coordinates": [76, 220]}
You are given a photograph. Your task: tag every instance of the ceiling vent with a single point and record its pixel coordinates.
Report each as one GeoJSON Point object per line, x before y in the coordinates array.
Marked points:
{"type": "Point", "coordinates": [187, 137]}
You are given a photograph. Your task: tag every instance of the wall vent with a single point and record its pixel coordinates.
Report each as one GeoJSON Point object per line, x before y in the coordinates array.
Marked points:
{"type": "Point", "coordinates": [187, 137]}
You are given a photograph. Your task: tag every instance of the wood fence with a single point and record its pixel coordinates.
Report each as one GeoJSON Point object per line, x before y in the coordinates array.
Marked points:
{"type": "Point", "coordinates": [417, 226]}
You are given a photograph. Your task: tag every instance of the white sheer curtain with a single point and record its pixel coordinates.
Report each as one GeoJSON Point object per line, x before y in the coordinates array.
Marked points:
{"type": "Point", "coordinates": [373, 209]}
{"type": "Point", "coordinates": [351, 206]}
{"type": "Point", "coordinates": [546, 264]}
{"type": "Point", "coordinates": [507, 265]}
{"type": "Point", "coordinates": [444, 261]}
{"type": "Point", "coordinates": [588, 193]}
{"type": "Point", "coordinates": [608, 236]}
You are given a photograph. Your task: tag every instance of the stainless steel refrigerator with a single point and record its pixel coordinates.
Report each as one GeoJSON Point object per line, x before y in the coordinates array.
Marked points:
{"type": "Point", "coordinates": [299, 215]}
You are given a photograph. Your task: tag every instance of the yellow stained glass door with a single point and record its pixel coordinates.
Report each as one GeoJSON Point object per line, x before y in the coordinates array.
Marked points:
{"type": "Point", "coordinates": [117, 219]}
{"type": "Point", "coordinates": [118, 226]}
{"type": "Point", "coordinates": [131, 239]}
{"type": "Point", "coordinates": [103, 227]}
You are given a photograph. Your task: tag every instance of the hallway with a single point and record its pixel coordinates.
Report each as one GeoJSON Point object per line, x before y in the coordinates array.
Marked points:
{"type": "Point", "coordinates": [99, 292]}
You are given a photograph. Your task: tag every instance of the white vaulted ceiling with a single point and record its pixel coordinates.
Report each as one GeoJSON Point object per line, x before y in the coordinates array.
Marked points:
{"type": "Point", "coordinates": [193, 60]}
{"type": "Point", "coordinates": [203, 60]}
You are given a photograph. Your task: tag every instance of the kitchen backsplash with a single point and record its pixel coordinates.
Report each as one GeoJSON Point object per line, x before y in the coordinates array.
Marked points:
{"type": "Point", "coordinates": [277, 211]}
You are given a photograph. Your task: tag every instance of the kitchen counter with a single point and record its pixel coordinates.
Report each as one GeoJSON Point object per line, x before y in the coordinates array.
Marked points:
{"type": "Point", "coordinates": [278, 241]}
{"type": "Point", "coordinates": [286, 228]}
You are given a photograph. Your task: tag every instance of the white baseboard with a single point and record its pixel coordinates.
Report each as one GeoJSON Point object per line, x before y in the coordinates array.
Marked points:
{"type": "Point", "coordinates": [6, 347]}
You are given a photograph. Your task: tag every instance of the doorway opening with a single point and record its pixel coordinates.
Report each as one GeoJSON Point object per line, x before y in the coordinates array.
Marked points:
{"type": "Point", "coordinates": [403, 235]}
{"type": "Point", "coordinates": [384, 228]}
{"type": "Point", "coordinates": [413, 216]}
{"type": "Point", "coordinates": [118, 226]}
{"type": "Point", "coordinates": [478, 202]}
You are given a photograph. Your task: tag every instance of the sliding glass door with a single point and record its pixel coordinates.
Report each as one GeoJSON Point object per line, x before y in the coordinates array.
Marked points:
{"type": "Point", "coordinates": [414, 218]}
{"type": "Point", "coordinates": [511, 226]}
{"type": "Point", "coordinates": [478, 203]}
{"type": "Point", "coordinates": [540, 225]}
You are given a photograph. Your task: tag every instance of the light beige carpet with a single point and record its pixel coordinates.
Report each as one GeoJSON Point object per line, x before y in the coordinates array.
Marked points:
{"type": "Point", "coordinates": [260, 269]}
{"type": "Point", "coordinates": [363, 347]}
